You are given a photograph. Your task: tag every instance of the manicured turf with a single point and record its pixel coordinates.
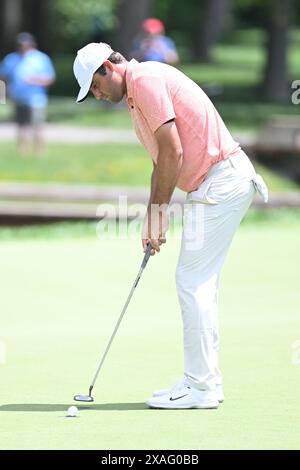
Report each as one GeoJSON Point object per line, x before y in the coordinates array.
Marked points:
{"type": "Point", "coordinates": [125, 164]}
{"type": "Point", "coordinates": [61, 293]}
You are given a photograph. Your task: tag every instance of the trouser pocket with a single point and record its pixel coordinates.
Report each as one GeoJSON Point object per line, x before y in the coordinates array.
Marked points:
{"type": "Point", "coordinates": [202, 194]}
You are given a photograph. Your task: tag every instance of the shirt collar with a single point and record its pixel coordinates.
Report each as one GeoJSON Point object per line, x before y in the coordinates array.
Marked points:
{"type": "Point", "coordinates": [129, 72]}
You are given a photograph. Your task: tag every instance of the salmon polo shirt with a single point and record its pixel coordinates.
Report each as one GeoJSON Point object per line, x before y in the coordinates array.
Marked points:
{"type": "Point", "coordinates": [158, 92]}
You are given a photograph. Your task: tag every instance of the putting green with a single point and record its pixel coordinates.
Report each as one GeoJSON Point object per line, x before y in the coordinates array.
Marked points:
{"type": "Point", "coordinates": [60, 299]}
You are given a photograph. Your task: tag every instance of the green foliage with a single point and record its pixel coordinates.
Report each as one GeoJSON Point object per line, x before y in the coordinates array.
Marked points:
{"type": "Point", "coordinates": [251, 13]}
{"type": "Point", "coordinates": [77, 21]}
{"type": "Point", "coordinates": [66, 83]}
{"type": "Point", "coordinates": [73, 22]}
{"type": "Point", "coordinates": [237, 62]}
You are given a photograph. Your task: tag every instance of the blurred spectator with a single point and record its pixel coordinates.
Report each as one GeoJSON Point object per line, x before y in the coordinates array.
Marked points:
{"type": "Point", "coordinates": [28, 72]}
{"type": "Point", "coordinates": [153, 44]}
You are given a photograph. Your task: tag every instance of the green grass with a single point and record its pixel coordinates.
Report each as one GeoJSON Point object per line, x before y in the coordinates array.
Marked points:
{"type": "Point", "coordinates": [83, 230]}
{"type": "Point", "coordinates": [97, 164]}
{"type": "Point", "coordinates": [232, 65]}
{"type": "Point", "coordinates": [105, 164]}
{"type": "Point", "coordinates": [61, 295]}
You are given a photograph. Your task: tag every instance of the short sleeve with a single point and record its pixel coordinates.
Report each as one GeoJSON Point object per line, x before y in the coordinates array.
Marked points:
{"type": "Point", "coordinates": [154, 100]}
{"type": "Point", "coordinates": [7, 65]}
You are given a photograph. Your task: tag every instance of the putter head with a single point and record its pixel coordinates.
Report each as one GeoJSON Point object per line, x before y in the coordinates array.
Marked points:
{"type": "Point", "coordinates": [84, 398]}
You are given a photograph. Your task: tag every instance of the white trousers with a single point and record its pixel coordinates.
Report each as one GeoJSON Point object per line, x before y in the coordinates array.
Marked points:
{"type": "Point", "coordinates": [212, 215]}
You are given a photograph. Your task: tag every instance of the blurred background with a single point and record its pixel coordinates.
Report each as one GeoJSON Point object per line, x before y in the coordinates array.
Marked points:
{"type": "Point", "coordinates": [244, 53]}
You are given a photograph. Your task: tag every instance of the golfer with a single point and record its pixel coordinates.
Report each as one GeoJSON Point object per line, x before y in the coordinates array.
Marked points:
{"type": "Point", "coordinates": [191, 149]}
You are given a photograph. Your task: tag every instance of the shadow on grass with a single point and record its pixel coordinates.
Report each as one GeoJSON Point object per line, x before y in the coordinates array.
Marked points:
{"type": "Point", "coordinates": [59, 407]}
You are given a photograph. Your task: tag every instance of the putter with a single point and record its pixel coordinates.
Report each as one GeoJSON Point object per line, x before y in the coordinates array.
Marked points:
{"type": "Point", "coordinates": [89, 398]}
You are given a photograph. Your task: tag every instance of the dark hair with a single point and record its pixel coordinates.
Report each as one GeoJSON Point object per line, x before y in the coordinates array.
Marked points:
{"type": "Point", "coordinates": [114, 58]}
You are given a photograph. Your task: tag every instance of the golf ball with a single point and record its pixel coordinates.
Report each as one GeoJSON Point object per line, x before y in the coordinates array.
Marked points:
{"type": "Point", "coordinates": [72, 411]}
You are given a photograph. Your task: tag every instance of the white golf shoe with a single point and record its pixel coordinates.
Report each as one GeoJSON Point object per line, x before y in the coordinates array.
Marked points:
{"type": "Point", "coordinates": [159, 393]}
{"type": "Point", "coordinates": [184, 397]}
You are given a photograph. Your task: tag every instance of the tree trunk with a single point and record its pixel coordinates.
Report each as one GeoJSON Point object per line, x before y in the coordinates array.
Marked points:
{"type": "Point", "coordinates": [213, 17]}
{"type": "Point", "coordinates": [11, 17]}
{"type": "Point", "coordinates": [275, 82]}
{"type": "Point", "coordinates": [37, 20]}
{"type": "Point", "coordinates": [131, 13]}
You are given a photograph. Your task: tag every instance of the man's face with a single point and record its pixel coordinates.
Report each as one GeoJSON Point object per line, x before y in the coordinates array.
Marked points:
{"type": "Point", "coordinates": [108, 87]}
{"type": "Point", "coordinates": [24, 47]}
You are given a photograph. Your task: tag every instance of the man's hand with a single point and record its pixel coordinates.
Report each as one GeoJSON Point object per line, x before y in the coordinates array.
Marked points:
{"type": "Point", "coordinates": [155, 227]}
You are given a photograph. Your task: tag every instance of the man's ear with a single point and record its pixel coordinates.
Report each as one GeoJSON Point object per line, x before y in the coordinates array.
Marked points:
{"type": "Point", "coordinates": [108, 65]}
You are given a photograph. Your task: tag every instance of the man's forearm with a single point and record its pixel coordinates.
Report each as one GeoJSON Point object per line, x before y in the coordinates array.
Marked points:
{"type": "Point", "coordinates": [153, 185]}
{"type": "Point", "coordinates": [164, 177]}
{"type": "Point", "coordinates": [163, 181]}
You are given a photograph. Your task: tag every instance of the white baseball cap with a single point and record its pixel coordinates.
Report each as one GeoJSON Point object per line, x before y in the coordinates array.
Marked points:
{"type": "Point", "coordinates": [87, 61]}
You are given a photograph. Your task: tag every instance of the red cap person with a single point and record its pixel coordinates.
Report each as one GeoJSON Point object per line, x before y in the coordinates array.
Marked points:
{"type": "Point", "coordinates": [153, 26]}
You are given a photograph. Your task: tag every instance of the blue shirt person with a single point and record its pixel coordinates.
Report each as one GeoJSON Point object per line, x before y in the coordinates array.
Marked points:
{"type": "Point", "coordinates": [28, 72]}
{"type": "Point", "coordinates": [153, 44]}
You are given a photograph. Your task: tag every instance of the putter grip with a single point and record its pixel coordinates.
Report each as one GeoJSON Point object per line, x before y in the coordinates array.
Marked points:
{"type": "Point", "coordinates": [147, 255]}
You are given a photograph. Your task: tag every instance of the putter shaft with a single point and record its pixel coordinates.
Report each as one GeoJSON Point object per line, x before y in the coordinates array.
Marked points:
{"type": "Point", "coordinates": [143, 265]}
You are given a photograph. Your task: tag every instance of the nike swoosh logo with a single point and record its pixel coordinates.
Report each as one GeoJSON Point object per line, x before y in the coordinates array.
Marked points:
{"type": "Point", "coordinates": [177, 398]}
